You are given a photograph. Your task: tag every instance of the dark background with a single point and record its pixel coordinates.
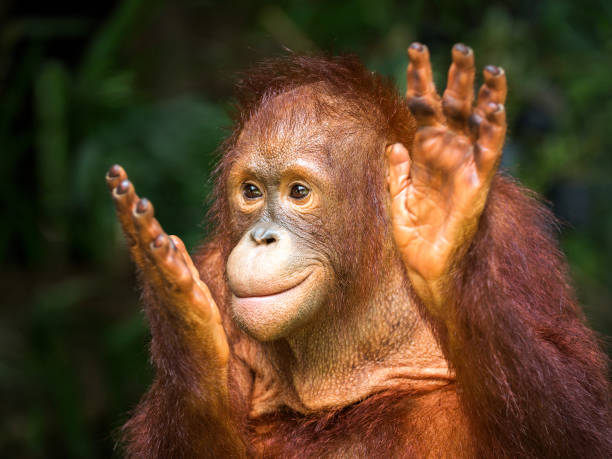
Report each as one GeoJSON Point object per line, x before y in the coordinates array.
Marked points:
{"type": "Point", "coordinates": [147, 84]}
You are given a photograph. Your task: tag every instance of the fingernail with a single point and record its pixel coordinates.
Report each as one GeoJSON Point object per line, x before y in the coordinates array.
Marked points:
{"type": "Point", "coordinates": [417, 46]}
{"type": "Point", "coordinates": [142, 206]}
{"type": "Point", "coordinates": [494, 107]}
{"type": "Point", "coordinates": [172, 244]}
{"type": "Point", "coordinates": [463, 49]}
{"type": "Point", "coordinates": [159, 241]}
{"type": "Point", "coordinates": [114, 171]}
{"type": "Point", "coordinates": [123, 187]}
{"type": "Point", "coordinates": [474, 120]}
{"type": "Point", "coordinates": [493, 70]}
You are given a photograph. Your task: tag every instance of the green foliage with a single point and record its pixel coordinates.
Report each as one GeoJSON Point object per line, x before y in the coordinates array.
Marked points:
{"type": "Point", "coordinates": [147, 86]}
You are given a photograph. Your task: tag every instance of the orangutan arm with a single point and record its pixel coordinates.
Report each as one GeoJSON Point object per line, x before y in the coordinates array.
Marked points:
{"type": "Point", "coordinates": [481, 257]}
{"type": "Point", "coordinates": [189, 396]}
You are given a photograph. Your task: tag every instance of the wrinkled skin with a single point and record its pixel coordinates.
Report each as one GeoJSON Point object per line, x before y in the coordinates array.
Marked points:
{"type": "Point", "coordinates": [277, 286]}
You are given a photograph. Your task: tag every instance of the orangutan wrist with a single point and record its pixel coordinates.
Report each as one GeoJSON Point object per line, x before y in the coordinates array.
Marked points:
{"type": "Point", "coordinates": [435, 289]}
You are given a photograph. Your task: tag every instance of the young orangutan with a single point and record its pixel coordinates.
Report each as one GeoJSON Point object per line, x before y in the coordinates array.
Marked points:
{"type": "Point", "coordinates": [373, 287]}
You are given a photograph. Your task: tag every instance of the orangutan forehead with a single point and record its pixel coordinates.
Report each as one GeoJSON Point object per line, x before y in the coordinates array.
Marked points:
{"type": "Point", "coordinates": [305, 118]}
{"type": "Point", "coordinates": [299, 109]}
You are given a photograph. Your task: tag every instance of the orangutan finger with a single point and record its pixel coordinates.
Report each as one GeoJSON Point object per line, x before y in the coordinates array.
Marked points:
{"type": "Point", "coordinates": [398, 177]}
{"type": "Point", "coordinates": [494, 88]}
{"type": "Point", "coordinates": [423, 100]}
{"type": "Point", "coordinates": [459, 94]}
{"type": "Point", "coordinates": [491, 133]}
{"type": "Point", "coordinates": [182, 251]}
{"type": "Point", "coordinates": [174, 272]}
{"type": "Point", "coordinates": [125, 199]}
{"type": "Point", "coordinates": [147, 226]}
{"type": "Point", "coordinates": [398, 164]}
{"type": "Point", "coordinates": [115, 175]}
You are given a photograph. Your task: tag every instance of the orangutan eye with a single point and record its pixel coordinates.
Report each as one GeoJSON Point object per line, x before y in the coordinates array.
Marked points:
{"type": "Point", "coordinates": [250, 191]}
{"type": "Point", "coordinates": [299, 191]}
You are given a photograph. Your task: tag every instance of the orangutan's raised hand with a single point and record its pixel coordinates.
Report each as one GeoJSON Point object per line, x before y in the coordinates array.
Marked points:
{"type": "Point", "coordinates": [183, 303]}
{"type": "Point", "coordinates": [440, 188]}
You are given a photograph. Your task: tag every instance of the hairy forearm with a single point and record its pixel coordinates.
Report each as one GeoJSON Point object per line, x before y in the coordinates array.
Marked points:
{"type": "Point", "coordinates": [513, 334]}
{"type": "Point", "coordinates": [171, 422]}
{"type": "Point", "coordinates": [189, 397]}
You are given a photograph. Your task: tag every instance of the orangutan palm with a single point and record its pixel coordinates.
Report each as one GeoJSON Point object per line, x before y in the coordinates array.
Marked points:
{"type": "Point", "coordinates": [439, 189]}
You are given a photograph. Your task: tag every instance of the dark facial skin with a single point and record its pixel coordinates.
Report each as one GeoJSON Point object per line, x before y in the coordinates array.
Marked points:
{"type": "Point", "coordinates": [280, 273]}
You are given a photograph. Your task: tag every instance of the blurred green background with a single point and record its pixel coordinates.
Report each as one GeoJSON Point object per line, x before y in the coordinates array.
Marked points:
{"type": "Point", "coordinates": [147, 84]}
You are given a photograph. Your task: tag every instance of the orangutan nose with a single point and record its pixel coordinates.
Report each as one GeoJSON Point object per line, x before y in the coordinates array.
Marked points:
{"type": "Point", "coordinates": [265, 234]}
